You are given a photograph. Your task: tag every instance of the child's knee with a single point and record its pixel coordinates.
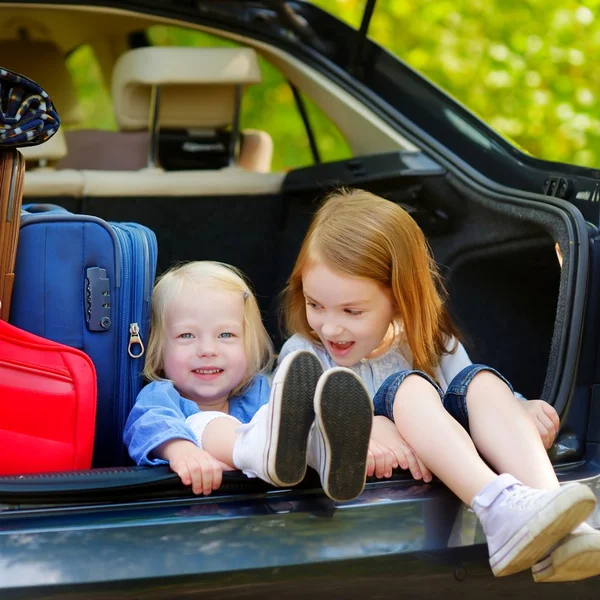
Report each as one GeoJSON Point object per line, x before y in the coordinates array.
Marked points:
{"type": "Point", "coordinates": [483, 382]}
{"type": "Point", "coordinates": [415, 388]}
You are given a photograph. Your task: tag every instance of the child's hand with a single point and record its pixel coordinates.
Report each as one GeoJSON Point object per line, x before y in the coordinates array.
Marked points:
{"type": "Point", "coordinates": [380, 460]}
{"type": "Point", "coordinates": [194, 466]}
{"type": "Point", "coordinates": [388, 449]}
{"type": "Point", "coordinates": [545, 418]}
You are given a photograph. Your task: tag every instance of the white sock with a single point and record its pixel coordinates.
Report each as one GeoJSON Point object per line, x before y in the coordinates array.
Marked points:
{"type": "Point", "coordinates": [250, 447]}
{"type": "Point", "coordinates": [198, 422]}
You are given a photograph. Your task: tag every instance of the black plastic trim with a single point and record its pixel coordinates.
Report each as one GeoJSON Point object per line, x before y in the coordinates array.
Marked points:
{"type": "Point", "coordinates": [131, 483]}
{"type": "Point", "coordinates": [314, 148]}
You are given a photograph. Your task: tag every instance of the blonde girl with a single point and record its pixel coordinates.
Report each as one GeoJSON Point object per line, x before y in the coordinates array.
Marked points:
{"type": "Point", "coordinates": [365, 294]}
{"type": "Point", "coordinates": [208, 406]}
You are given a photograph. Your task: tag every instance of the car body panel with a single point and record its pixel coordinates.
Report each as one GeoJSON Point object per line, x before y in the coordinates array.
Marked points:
{"type": "Point", "coordinates": [398, 537]}
{"type": "Point", "coordinates": [423, 530]}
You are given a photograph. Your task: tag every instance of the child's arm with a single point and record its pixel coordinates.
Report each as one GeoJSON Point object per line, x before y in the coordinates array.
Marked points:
{"type": "Point", "coordinates": [155, 418]}
{"type": "Point", "coordinates": [194, 466]}
{"type": "Point", "coordinates": [388, 449]}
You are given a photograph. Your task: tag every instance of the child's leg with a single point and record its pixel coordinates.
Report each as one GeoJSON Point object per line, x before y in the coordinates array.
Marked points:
{"type": "Point", "coordinates": [339, 441]}
{"type": "Point", "coordinates": [520, 523]}
{"type": "Point", "coordinates": [576, 557]}
{"type": "Point", "coordinates": [273, 445]}
{"type": "Point", "coordinates": [489, 399]}
{"type": "Point", "coordinates": [435, 437]}
{"type": "Point", "coordinates": [502, 431]}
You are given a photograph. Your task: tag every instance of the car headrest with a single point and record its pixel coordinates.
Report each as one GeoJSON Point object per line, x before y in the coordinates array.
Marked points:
{"type": "Point", "coordinates": [51, 151]}
{"type": "Point", "coordinates": [197, 85]}
{"type": "Point", "coordinates": [44, 63]}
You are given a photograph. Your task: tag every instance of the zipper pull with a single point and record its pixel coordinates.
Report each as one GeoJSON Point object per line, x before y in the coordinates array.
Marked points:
{"type": "Point", "coordinates": [135, 339]}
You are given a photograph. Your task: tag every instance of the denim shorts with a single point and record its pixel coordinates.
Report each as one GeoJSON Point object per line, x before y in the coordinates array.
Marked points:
{"type": "Point", "coordinates": [454, 400]}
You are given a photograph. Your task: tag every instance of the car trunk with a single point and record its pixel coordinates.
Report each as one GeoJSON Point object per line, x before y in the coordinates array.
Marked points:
{"type": "Point", "coordinates": [496, 254]}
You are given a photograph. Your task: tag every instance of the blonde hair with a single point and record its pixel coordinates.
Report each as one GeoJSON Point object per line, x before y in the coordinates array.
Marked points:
{"type": "Point", "coordinates": [360, 234]}
{"type": "Point", "coordinates": [207, 274]}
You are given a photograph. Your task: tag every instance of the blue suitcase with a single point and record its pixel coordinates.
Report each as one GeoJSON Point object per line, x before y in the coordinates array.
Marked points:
{"type": "Point", "coordinates": [88, 283]}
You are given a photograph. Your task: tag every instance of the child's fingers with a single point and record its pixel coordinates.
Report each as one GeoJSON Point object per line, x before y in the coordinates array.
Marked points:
{"type": "Point", "coordinates": [370, 464]}
{"type": "Point", "coordinates": [201, 481]}
{"type": "Point", "coordinates": [550, 437]}
{"type": "Point", "coordinates": [386, 463]}
{"type": "Point", "coordinates": [217, 474]}
{"type": "Point", "coordinates": [201, 471]}
{"type": "Point", "coordinates": [184, 474]}
{"type": "Point", "coordinates": [390, 459]}
{"type": "Point", "coordinates": [546, 421]}
{"type": "Point", "coordinates": [400, 455]}
{"type": "Point", "coordinates": [427, 476]}
{"type": "Point", "coordinates": [206, 480]}
{"type": "Point", "coordinates": [550, 413]}
{"type": "Point", "coordinates": [413, 464]}
{"type": "Point", "coordinates": [379, 458]}
{"type": "Point", "coordinates": [212, 474]}
{"type": "Point", "coordinates": [546, 429]}
{"type": "Point", "coordinates": [544, 434]}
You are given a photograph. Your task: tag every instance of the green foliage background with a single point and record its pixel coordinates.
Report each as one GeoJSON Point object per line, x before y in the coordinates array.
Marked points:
{"type": "Point", "coordinates": [530, 69]}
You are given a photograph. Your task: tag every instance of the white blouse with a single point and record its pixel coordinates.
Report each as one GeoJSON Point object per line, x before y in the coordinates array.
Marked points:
{"type": "Point", "coordinates": [374, 371]}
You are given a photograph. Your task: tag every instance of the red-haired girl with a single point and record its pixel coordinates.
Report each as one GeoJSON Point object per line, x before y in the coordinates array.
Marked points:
{"type": "Point", "coordinates": [365, 294]}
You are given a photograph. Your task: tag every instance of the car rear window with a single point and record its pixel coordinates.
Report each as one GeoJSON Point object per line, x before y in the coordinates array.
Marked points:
{"type": "Point", "coordinates": [529, 69]}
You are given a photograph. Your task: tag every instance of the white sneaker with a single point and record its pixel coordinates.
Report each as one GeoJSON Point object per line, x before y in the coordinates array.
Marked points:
{"type": "Point", "coordinates": [339, 440]}
{"type": "Point", "coordinates": [575, 557]}
{"type": "Point", "coordinates": [521, 523]}
{"type": "Point", "coordinates": [273, 445]}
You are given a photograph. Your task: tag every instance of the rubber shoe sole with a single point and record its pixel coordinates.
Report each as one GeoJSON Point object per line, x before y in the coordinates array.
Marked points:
{"type": "Point", "coordinates": [557, 519]}
{"type": "Point", "coordinates": [344, 416]}
{"type": "Point", "coordinates": [577, 557]}
{"type": "Point", "coordinates": [292, 415]}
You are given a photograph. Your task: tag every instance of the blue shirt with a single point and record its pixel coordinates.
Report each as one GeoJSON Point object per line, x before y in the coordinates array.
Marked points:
{"type": "Point", "coordinates": [160, 412]}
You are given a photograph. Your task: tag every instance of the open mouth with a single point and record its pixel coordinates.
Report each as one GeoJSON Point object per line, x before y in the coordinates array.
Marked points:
{"type": "Point", "coordinates": [340, 348]}
{"type": "Point", "coordinates": [208, 373]}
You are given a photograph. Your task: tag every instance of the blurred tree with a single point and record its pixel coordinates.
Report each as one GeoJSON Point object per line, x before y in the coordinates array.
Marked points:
{"type": "Point", "coordinates": [92, 93]}
{"type": "Point", "coordinates": [529, 69]}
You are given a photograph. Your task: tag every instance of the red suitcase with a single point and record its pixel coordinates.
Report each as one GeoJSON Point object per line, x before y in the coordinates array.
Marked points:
{"type": "Point", "coordinates": [47, 404]}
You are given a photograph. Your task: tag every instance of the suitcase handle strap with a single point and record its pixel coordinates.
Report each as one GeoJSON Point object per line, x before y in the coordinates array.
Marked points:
{"type": "Point", "coordinates": [40, 208]}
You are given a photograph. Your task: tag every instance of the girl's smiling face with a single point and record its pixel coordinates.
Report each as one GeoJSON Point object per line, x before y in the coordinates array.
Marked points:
{"type": "Point", "coordinates": [203, 351]}
{"type": "Point", "coordinates": [351, 315]}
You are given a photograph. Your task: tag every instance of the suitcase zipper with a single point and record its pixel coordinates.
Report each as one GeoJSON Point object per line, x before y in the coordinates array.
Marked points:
{"type": "Point", "coordinates": [125, 320]}
{"type": "Point", "coordinates": [134, 298]}
{"type": "Point", "coordinates": [37, 369]}
{"type": "Point", "coordinates": [140, 256]}
{"type": "Point", "coordinates": [135, 340]}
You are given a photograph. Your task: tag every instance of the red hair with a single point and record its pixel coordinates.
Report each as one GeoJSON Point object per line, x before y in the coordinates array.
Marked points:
{"type": "Point", "coordinates": [362, 235]}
